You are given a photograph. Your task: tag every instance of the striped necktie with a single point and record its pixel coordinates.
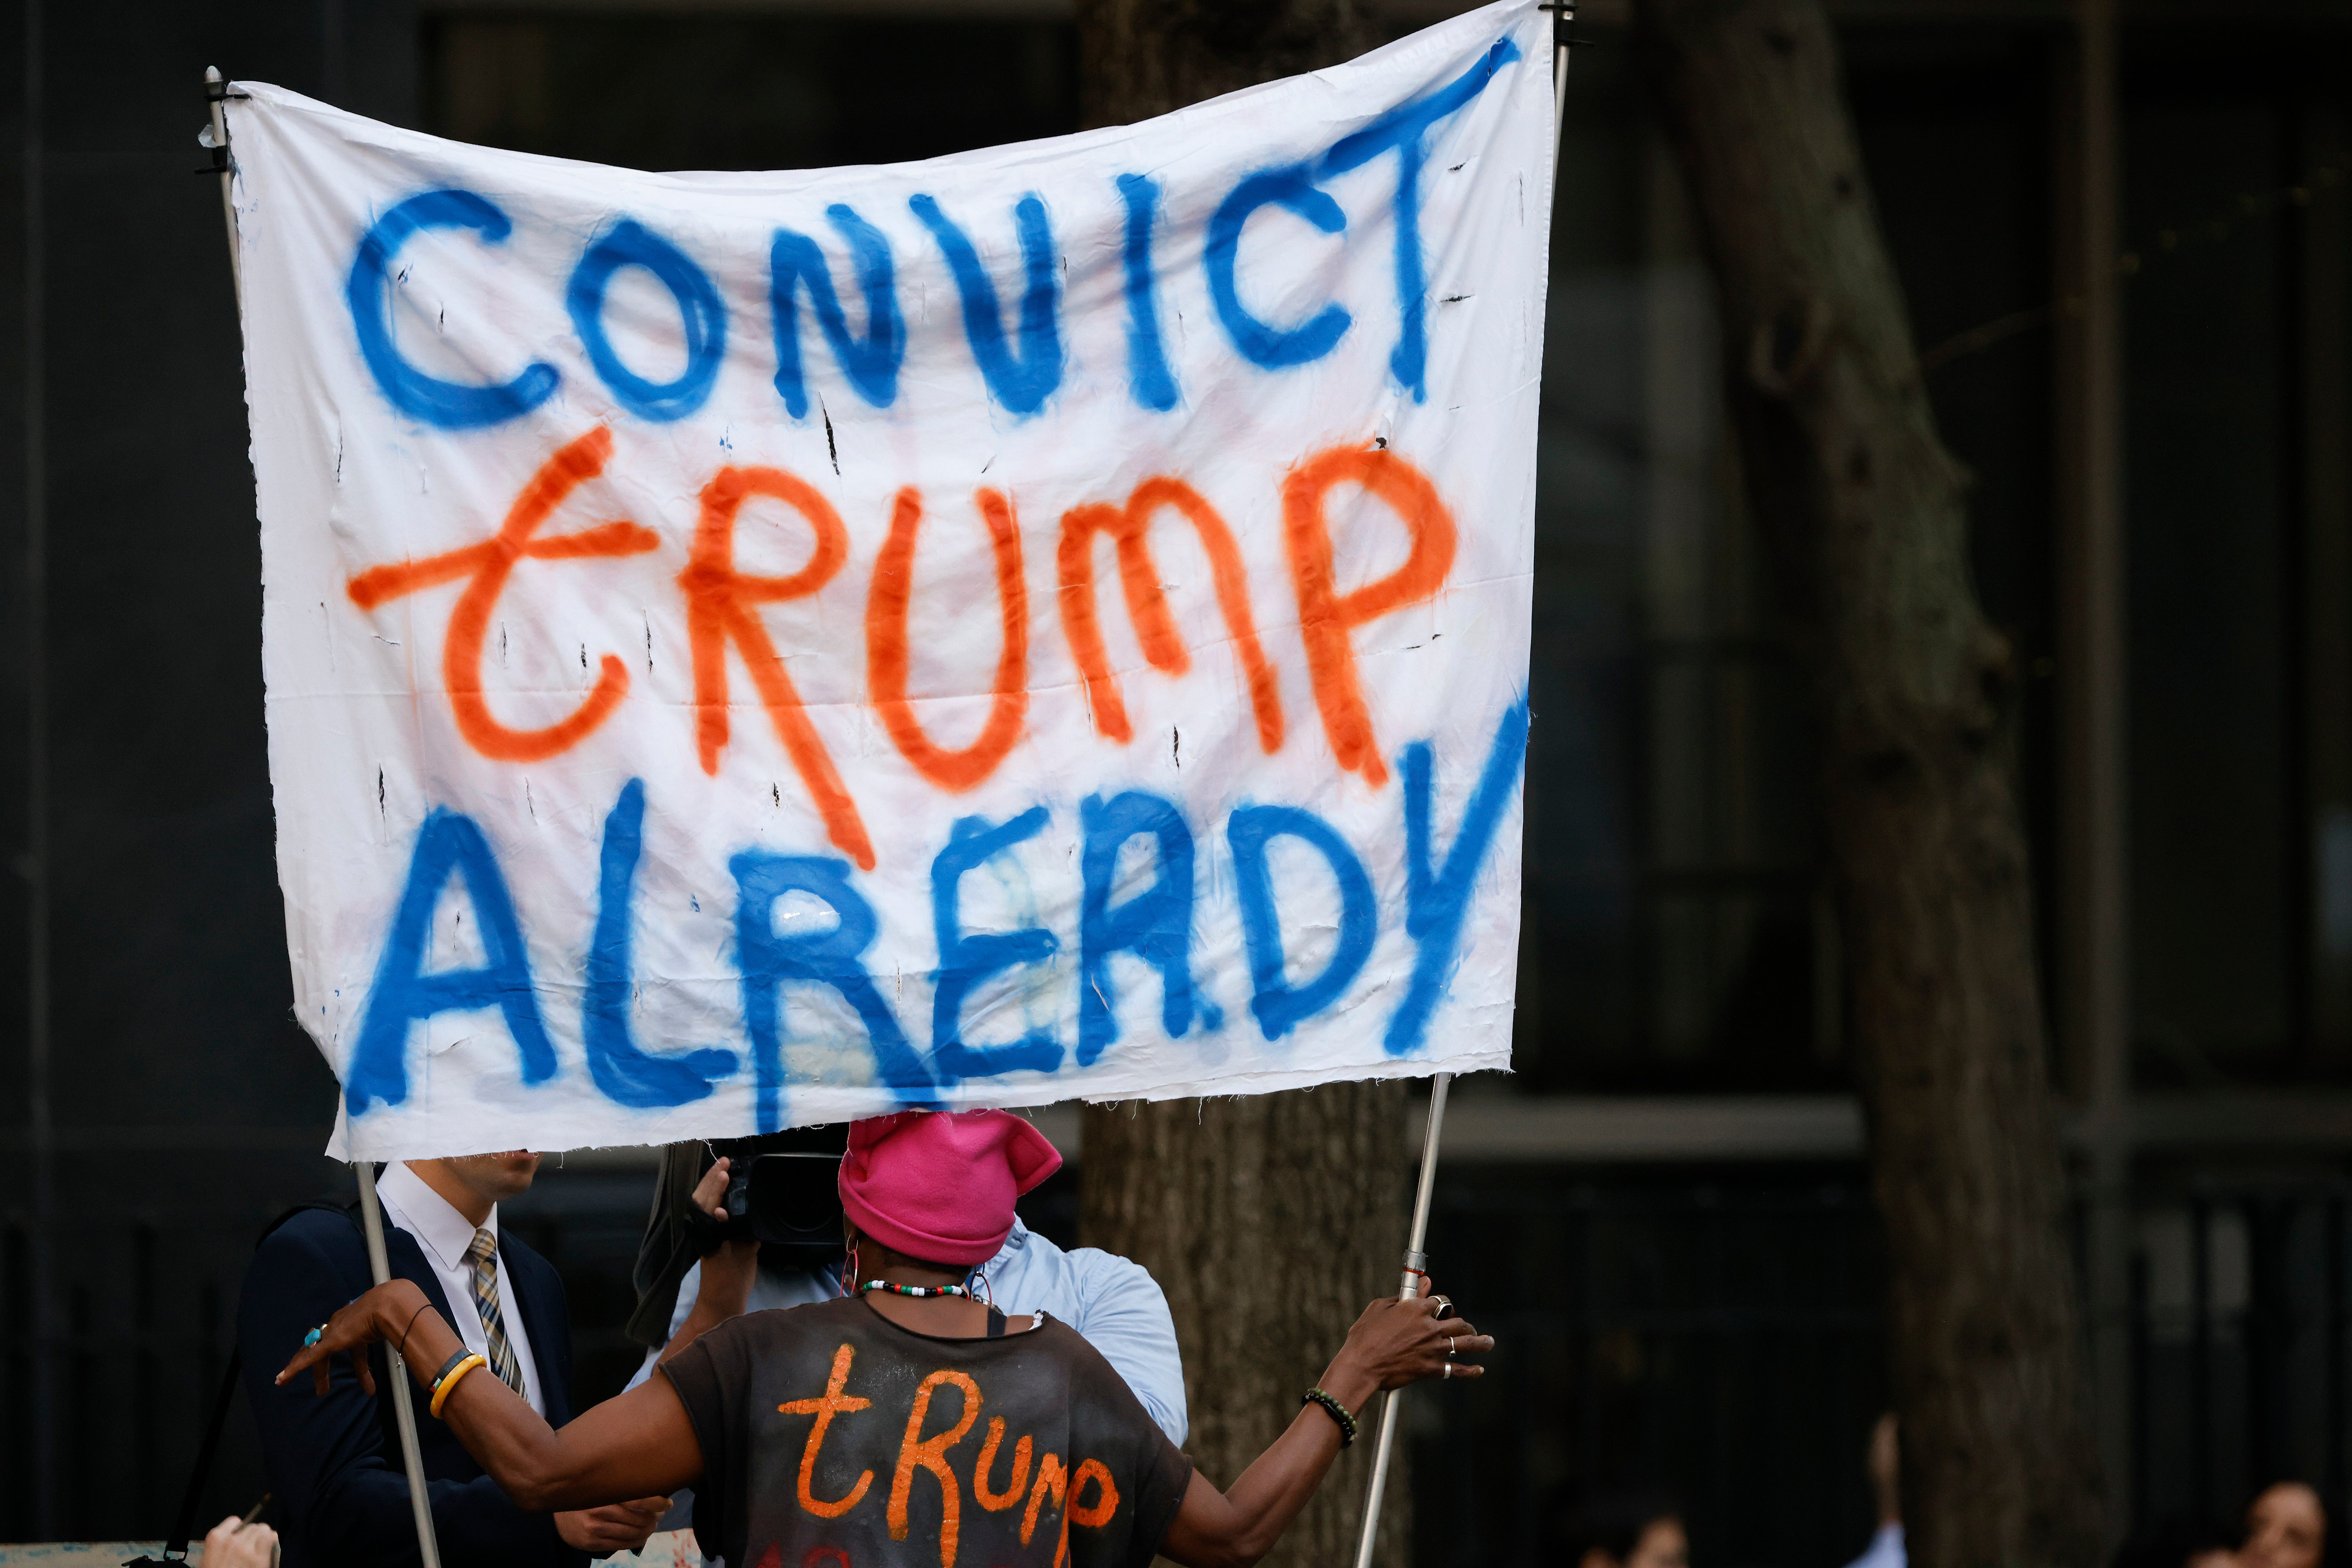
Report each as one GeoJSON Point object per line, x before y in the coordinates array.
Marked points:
{"type": "Point", "coordinates": [483, 1256]}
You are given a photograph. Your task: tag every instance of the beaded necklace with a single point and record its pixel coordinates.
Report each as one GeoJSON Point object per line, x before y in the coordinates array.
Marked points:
{"type": "Point", "coordinates": [914, 1289]}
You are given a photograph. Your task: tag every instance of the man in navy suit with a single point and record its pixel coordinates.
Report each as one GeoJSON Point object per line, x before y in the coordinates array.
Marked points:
{"type": "Point", "coordinates": [335, 1462]}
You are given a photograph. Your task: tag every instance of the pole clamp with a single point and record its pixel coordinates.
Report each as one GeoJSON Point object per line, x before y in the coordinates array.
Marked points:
{"type": "Point", "coordinates": [219, 152]}
{"type": "Point", "coordinates": [217, 91]}
{"type": "Point", "coordinates": [1563, 24]}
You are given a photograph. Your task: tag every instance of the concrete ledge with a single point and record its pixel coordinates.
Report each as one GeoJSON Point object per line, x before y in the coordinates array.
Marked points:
{"type": "Point", "coordinates": [1647, 1127]}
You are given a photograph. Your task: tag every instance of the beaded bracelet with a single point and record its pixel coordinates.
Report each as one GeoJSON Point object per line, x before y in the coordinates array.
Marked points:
{"type": "Point", "coordinates": [1338, 1413]}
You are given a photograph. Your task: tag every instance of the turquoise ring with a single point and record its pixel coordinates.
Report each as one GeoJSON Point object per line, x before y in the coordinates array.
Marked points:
{"type": "Point", "coordinates": [312, 1337]}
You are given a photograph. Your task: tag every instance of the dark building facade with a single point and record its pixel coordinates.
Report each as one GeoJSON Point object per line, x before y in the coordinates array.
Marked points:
{"type": "Point", "coordinates": [1665, 1206]}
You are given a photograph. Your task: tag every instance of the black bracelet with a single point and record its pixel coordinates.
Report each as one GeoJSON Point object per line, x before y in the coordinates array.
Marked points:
{"type": "Point", "coordinates": [460, 1353]}
{"type": "Point", "coordinates": [421, 1309]}
{"type": "Point", "coordinates": [1338, 1413]}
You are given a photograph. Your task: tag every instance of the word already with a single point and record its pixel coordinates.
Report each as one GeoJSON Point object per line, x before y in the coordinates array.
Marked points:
{"type": "Point", "coordinates": [1154, 925]}
{"type": "Point", "coordinates": [1058, 1487]}
{"type": "Point", "coordinates": [724, 607]}
{"type": "Point", "coordinates": [1022, 363]}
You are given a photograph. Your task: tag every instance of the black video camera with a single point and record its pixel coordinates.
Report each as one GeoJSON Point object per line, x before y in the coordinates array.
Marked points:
{"type": "Point", "coordinates": [789, 1201]}
{"type": "Point", "coordinates": [783, 1191]}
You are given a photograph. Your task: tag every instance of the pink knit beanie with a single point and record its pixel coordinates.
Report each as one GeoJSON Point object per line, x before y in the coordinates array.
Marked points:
{"type": "Point", "coordinates": [940, 1185]}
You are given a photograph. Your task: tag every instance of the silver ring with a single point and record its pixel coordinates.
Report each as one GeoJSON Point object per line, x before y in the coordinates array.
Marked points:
{"type": "Point", "coordinates": [1441, 1302]}
{"type": "Point", "coordinates": [1446, 1369]}
{"type": "Point", "coordinates": [1449, 1349]}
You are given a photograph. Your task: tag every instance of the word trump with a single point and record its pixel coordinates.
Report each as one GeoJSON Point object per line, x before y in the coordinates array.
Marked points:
{"type": "Point", "coordinates": [723, 605]}
{"type": "Point", "coordinates": [1155, 924]}
{"type": "Point", "coordinates": [1075, 1491]}
{"type": "Point", "coordinates": [1022, 362]}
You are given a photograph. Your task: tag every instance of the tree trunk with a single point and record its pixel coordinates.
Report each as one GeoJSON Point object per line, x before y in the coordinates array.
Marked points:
{"type": "Point", "coordinates": [1270, 1220]}
{"type": "Point", "coordinates": [1141, 57]}
{"type": "Point", "coordinates": [1863, 513]}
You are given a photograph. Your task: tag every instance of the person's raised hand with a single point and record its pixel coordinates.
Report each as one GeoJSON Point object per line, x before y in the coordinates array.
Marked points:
{"type": "Point", "coordinates": [384, 1313]}
{"type": "Point", "coordinates": [1401, 1340]}
{"type": "Point", "coordinates": [727, 1274]}
{"type": "Point", "coordinates": [233, 1543]}
{"type": "Point", "coordinates": [616, 1526]}
{"type": "Point", "coordinates": [710, 1193]}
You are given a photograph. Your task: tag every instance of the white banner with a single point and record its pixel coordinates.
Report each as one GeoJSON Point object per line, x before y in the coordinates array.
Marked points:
{"type": "Point", "coordinates": [751, 649]}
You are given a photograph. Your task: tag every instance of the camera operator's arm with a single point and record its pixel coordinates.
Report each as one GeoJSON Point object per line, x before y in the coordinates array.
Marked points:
{"type": "Point", "coordinates": [635, 1446]}
{"type": "Point", "coordinates": [727, 1274]}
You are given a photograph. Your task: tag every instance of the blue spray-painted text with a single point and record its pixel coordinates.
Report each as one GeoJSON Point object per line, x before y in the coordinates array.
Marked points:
{"type": "Point", "coordinates": [1148, 913]}
{"type": "Point", "coordinates": [1011, 315]}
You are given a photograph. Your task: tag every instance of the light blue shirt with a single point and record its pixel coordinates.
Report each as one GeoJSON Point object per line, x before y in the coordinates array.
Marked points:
{"type": "Point", "coordinates": [1115, 1304]}
{"type": "Point", "coordinates": [1885, 1550]}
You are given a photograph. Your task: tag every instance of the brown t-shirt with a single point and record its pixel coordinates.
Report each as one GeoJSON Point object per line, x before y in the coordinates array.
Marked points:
{"type": "Point", "coordinates": [833, 1438]}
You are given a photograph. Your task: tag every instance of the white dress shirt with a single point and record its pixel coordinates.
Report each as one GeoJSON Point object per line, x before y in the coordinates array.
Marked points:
{"type": "Point", "coordinates": [444, 1234]}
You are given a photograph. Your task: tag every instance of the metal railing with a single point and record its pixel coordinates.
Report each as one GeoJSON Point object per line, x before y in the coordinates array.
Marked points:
{"type": "Point", "coordinates": [1718, 1336]}
{"type": "Point", "coordinates": [2238, 1340]}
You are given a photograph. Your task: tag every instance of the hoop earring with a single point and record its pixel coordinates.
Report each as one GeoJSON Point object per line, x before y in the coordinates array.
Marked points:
{"type": "Point", "coordinates": [849, 1272]}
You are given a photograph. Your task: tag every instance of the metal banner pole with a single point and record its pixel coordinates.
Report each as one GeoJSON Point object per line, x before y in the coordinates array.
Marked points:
{"type": "Point", "coordinates": [1563, 39]}
{"type": "Point", "coordinates": [215, 140]}
{"type": "Point", "coordinates": [403, 1409]}
{"type": "Point", "coordinates": [1416, 1261]}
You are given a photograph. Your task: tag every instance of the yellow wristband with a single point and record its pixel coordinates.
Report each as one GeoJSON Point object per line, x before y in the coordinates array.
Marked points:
{"type": "Point", "coordinates": [447, 1386]}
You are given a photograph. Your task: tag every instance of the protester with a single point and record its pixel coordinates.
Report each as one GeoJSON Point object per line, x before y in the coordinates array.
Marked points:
{"type": "Point", "coordinates": [334, 1461]}
{"type": "Point", "coordinates": [233, 1543]}
{"type": "Point", "coordinates": [1114, 1304]}
{"type": "Point", "coordinates": [2286, 1527]}
{"type": "Point", "coordinates": [1883, 1461]}
{"type": "Point", "coordinates": [1634, 1527]}
{"type": "Point", "coordinates": [877, 1392]}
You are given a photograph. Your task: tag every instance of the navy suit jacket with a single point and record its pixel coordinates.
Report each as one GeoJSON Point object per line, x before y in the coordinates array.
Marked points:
{"type": "Point", "coordinates": [342, 1489]}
